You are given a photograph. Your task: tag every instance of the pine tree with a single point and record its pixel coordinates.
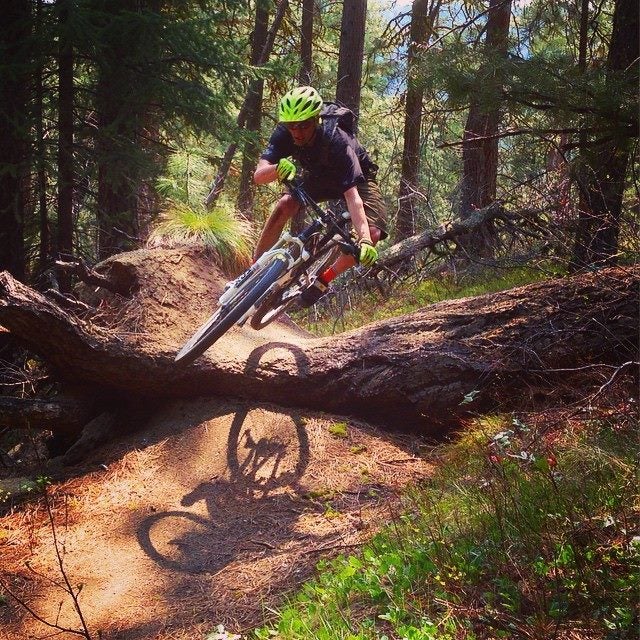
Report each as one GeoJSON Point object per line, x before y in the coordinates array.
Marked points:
{"type": "Point", "coordinates": [423, 13]}
{"type": "Point", "coordinates": [254, 110]}
{"type": "Point", "coordinates": [305, 77]}
{"type": "Point", "coordinates": [15, 37]}
{"type": "Point", "coordinates": [352, 30]}
{"type": "Point", "coordinates": [65, 136]}
{"type": "Point", "coordinates": [605, 160]}
{"type": "Point", "coordinates": [480, 142]}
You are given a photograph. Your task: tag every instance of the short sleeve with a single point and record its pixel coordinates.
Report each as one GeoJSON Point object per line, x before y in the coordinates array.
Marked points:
{"type": "Point", "coordinates": [280, 146]}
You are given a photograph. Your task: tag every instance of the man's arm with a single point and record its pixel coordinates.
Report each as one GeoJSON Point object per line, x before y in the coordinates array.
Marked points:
{"type": "Point", "coordinates": [358, 216]}
{"type": "Point", "coordinates": [265, 172]}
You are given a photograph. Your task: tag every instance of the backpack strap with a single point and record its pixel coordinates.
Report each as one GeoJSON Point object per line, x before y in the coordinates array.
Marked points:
{"type": "Point", "coordinates": [335, 115]}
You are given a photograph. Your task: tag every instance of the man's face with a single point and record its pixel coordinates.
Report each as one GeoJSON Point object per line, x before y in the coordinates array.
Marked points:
{"type": "Point", "coordinates": [302, 132]}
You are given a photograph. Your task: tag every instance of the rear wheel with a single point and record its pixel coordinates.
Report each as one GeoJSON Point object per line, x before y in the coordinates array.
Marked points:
{"type": "Point", "coordinates": [227, 315]}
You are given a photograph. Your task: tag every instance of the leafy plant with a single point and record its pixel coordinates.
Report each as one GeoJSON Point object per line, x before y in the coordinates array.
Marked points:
{"type": "Point", "coordinates": [339, 429]}
{"type": "Point", "coordinates": [517, 535]}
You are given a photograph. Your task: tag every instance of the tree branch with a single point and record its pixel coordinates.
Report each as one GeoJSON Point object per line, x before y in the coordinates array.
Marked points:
{"type": "Point", "coordinates": [447, 232]}
{"type": "Point", "coordinates": [59, 414]}
{"type": "Point", "coordinates": [78, 268]}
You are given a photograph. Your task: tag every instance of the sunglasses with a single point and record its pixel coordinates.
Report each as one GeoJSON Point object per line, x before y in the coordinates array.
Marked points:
{"type": "Point", "coordinates": [298, 126]}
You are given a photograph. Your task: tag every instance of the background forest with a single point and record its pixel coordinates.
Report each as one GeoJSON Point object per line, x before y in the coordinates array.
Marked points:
{"type": "Point", "coordinates": [116, 117]}
{"type": "Point", "coordinates": [507, 136]}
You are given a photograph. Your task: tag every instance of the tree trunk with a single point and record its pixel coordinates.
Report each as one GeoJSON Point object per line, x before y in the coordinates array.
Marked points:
{"type": "Point", "coordinates": [421, 24]}
{"type": "Point", "coordinates": [605, 164]}
{"type": "Point", "coordinates": [225, 164]}
{"type": "Point", "coordinates": [305, 77]}
{"type": "Point", "coordinates": [413, 370]}
{"type": "Point", "coordinates": [121, 114]}
{"type": "Point", "coordinates": [398, 255]}
{"type": "Point", "coordinates": [44, 252]}
{"type": "Point", "coordinates": [65, 138]}
{"type": "Point", "coordinates": [583, 226]}
{"type": "Point", "coordinates": [354, 16]}
{"type": "Point", "coordinates": [254, 111]}
{"type": "Point", "coordinates": [14, 127]}
{"type": "Point", "coordinates": [480, 144]}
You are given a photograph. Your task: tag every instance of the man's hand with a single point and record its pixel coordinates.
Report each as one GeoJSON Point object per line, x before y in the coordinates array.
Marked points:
{"type": "Point", "coordinates": [368, 253]}
{"type": "Point", "coordinates": [286, 170]}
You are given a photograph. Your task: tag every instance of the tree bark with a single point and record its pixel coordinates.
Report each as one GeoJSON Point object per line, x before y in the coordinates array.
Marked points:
{"type": "Point", "coordinates": [119, 117]}
{"type": "Point", "coordinates": [225, 164]}
{"type": "Point", "coordinates": [14, 140]}
{"type": "Point", "coordinates": [348, 85]}
{"type": "Point", "coordinates": [65, 137]}
{"type": "Point", "coordinates": [44, 252]}
{"type": "Point", "coordinates": [254, 111]}
{"type": "Point", "coordinates": [413, 370]}
{"type": "Point", "coordinates": [480, 148]}
{"type": "Point", "coordinates": [422, 17]}
{"type": "Point", "coordinates": [305, 76]}
{"type": "Point", "coordinates": [449, 231]}
{"type": "Point", "coordinates": [59, 415]}
{"type": "Point", "coordinates": [605, 164]}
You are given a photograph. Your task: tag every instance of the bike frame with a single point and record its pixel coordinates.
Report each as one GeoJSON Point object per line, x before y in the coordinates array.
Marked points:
{"type": "Point", "coordinates": [292, 250]}
{"type": "Point", "coordinates": [260, 291]}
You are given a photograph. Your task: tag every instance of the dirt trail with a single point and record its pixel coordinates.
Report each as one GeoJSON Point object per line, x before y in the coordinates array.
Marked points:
{"type": "Point", "coordinates": [205, 517]}
{"type": "Point", "coordinates": [212, 509]}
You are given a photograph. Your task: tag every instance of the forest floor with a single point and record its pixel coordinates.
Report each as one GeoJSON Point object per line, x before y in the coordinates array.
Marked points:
{"type": "Point", "coordinates": [209, 510]}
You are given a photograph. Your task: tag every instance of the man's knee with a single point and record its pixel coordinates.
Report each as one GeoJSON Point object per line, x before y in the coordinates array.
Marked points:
{"type": "Point", "coordinates": [376, 233]}
{"type": "Point", "coordinates": [285, 208]}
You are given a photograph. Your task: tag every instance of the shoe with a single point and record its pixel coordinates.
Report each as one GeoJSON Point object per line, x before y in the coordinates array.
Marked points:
{"type": "Point", "coordinates": [312, 294]}
{"type": "Point", "coordinates": [239, 280]}
{"type": "Point", "coordinates": [230, 287]}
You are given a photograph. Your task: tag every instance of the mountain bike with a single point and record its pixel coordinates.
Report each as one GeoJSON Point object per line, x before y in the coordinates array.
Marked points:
{"type": "Point", "coordinates": [275, 281]}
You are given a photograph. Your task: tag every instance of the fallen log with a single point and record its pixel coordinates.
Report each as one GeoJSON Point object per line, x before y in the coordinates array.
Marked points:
{"type": "Point", "coordinates": [61, 414]}
{"type": "Point", "coordinates": [435, 240]}
{"type": "Point", "coordinates": [414, 370]}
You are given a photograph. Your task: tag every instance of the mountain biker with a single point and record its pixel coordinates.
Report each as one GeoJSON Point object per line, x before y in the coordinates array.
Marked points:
{"type": "Point", "coordinates": [335, 166]}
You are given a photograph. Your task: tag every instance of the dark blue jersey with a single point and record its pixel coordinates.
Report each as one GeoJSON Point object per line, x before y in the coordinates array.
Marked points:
{"type": "Point", "coordinates": [333, 162]}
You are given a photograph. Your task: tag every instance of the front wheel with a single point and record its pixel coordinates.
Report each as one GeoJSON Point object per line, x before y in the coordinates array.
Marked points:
{"type": "Point", "coordinates": [227, 315]}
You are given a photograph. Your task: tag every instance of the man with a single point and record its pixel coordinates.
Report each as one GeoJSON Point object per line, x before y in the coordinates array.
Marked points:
{"type": "Point", "coordinates": [336, 166]}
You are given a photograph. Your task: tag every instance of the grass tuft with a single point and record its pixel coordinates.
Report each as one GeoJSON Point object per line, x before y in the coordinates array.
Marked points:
{"type": "Point", "coordinates": [219, 230]}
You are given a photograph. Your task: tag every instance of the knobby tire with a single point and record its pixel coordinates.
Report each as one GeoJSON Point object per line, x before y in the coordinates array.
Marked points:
{"type": "Point", "coordinates": [223, 319]}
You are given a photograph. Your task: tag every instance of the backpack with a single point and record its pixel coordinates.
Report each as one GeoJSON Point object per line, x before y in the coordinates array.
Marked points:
{"type": "Point", "coordinates": [335, 115]}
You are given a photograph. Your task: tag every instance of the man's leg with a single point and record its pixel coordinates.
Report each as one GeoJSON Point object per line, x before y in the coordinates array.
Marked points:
{"type": "Point", "coordinates": [312, 294]}
{"type": "Point", "coordinates": [344, 262]}
{"type": "Point", "coordinates": [375, 211]}
{"type": "Point", "coordinates": [285, 208]}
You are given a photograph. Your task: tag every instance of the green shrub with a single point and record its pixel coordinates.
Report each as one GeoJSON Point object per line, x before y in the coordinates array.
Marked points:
{"type": "Point", "coordinates": [219, 230]}
{"type": "Point", "coordinates": [517, 535]}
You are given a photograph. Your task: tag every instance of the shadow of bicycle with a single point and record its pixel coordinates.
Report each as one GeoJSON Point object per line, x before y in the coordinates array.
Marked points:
{"type": "Point", "coordinates": [254, 507]}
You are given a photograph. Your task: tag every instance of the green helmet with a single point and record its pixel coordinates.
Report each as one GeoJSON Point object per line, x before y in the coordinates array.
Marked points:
{"type": "Point", "coordinates": [299, 104]}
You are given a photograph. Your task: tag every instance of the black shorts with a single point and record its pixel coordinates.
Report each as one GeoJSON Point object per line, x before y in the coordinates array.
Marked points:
{"type": "Point", "coordinates": [372, 199]}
